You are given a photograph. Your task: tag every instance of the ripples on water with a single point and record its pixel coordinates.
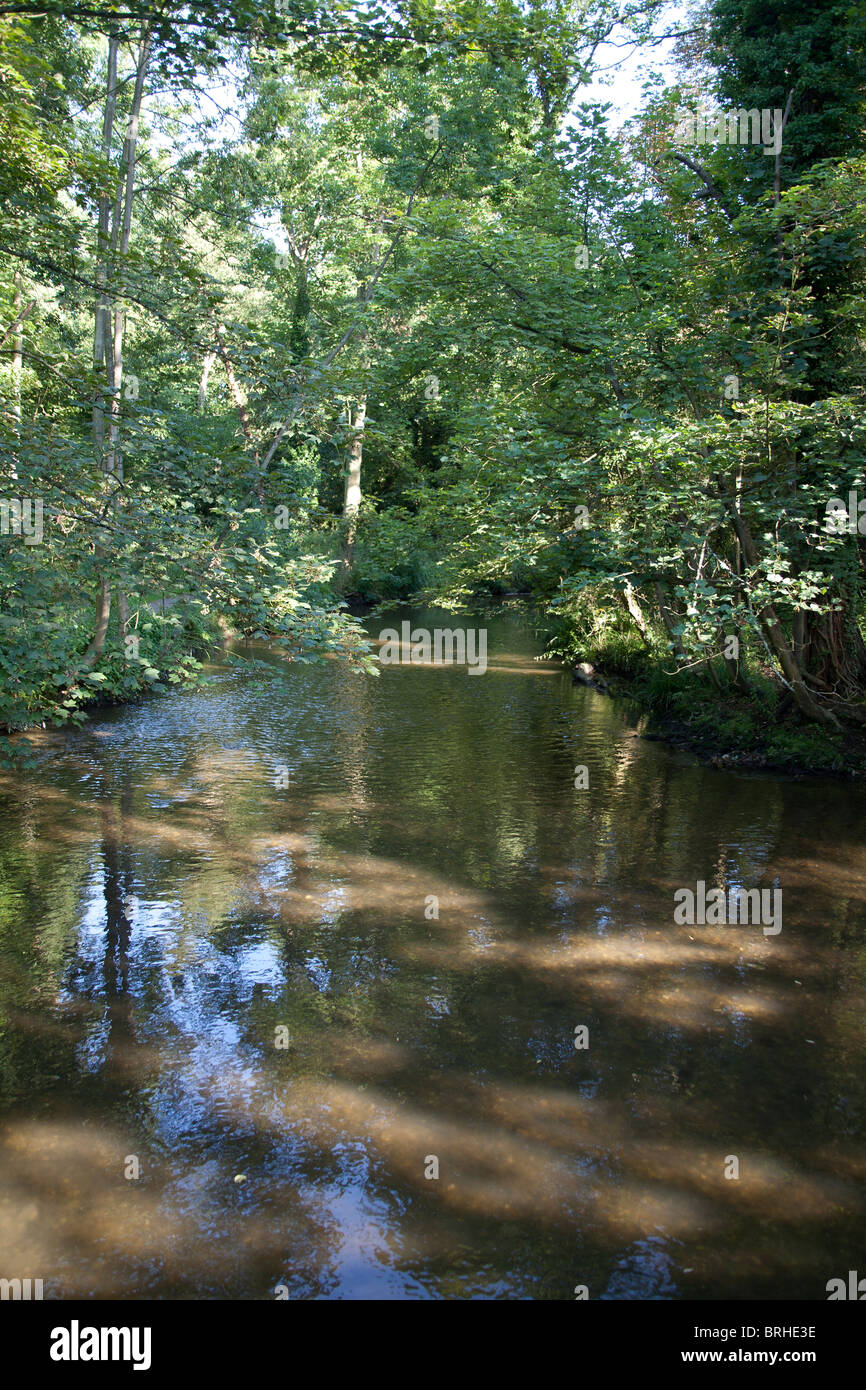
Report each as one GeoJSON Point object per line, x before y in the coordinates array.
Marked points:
{"type": "Point", "coordinates": [168, 915]}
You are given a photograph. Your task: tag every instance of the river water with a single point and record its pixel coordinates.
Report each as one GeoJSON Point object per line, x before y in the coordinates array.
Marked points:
{"type": "Point", "coordinates": [275, 952]}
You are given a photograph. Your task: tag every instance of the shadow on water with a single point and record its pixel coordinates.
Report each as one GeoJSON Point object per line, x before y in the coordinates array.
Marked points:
{"type": "Point", "coordinates": [278, 944]}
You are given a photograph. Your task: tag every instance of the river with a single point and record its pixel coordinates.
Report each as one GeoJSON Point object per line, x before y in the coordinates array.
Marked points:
{"type": "Point", "coordinates": [316, 985]}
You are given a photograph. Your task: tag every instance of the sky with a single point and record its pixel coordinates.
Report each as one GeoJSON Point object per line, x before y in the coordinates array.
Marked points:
{"type": "Point", "coordinates": [622, 69]}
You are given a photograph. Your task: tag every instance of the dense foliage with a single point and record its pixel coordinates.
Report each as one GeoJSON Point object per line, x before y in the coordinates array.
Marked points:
{"type": "Point", "coordinates": [316, 303]}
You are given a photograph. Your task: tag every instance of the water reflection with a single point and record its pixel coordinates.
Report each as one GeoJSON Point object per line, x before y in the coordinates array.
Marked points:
{"type": "Point", "coordinates": [313, 988]}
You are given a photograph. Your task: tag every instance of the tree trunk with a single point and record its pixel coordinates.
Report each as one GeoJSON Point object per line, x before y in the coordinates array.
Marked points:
{"type": "Point", "coordinates": [665, 614]}
{"type": "Point", "coordinates": [630, 601]}
{"type": "Point", "coordinates": [733, 665]}
{"type": "Point", "coordinates": [352, 501]}
{"type": "Point", "coordinates": [834, 656]}
{"type": "Point", "coordinates": [122, 614]}
{"type": "Point", "coordinates": [243, 414]}
{"type": "Point", "coordinates": [102, 245]}
{"type": "Point", "coordinates": [112, 246]}
{"type": "Point", "coordinates": [774, 633]}
{"type": "Point", "coordinates": [17, 361]}
{"type": "Point", "coordinates": [103, 613]}
{"type": "Point", "coordinates": [100, 323]}
{"type": "Point", "coordinates": [123, 221]}
{"type": "Point", "coordinates": [209, 359]}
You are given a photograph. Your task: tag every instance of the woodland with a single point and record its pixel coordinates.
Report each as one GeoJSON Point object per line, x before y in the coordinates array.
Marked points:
{"type": "Point", "coordinates": [309, 308]}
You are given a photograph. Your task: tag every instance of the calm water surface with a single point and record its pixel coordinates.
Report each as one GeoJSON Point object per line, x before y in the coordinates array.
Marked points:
{"type": "Point", "coordinates": [170, 913]}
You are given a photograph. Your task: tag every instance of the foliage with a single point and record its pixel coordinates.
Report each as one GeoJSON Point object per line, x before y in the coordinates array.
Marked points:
{"type": "Point", "coordinates": [624, 379]}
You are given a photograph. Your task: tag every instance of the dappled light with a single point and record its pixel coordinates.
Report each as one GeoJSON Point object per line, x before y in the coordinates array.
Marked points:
{"type": "Point", "coordinates": [285, 997]}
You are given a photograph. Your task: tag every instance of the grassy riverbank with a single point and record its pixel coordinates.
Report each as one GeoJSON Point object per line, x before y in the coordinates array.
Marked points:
{"type": "Point", "coordinates": [759, 728]}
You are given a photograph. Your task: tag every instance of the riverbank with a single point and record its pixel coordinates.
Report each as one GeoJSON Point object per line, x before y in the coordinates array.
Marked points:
{"type": "Point", "coordinates": [167, 639]}
{"type": "Point", "coordinates": [723, 727]}
{"type": "Point", "coordinates": [737, 732]}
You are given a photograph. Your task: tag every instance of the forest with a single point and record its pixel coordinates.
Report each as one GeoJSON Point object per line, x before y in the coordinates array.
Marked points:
{"type": "Point", "coordinates": [306, 309]}
{"type": "Point", "coordinates": [432, 668]}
